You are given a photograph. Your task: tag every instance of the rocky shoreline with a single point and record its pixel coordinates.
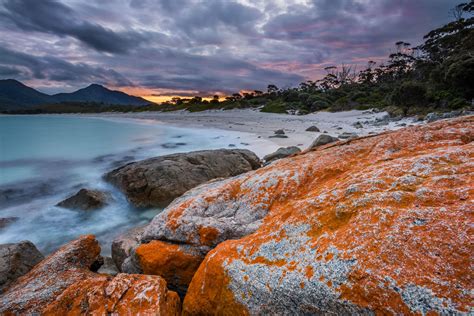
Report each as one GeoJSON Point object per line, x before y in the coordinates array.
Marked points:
{"type": "Point", "coordinates": [351, 225]}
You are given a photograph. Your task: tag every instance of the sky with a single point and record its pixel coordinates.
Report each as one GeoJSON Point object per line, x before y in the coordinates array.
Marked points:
{"type": "Point", "coordinates": [162, 48]}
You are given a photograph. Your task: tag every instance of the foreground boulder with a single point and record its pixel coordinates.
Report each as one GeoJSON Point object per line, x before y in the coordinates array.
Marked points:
{"type": "Point", "coordinates": [47, 280]}
{"type": "Point", "coordinates": [16, 260]}
{"type": "Point", "coordinates": [378, 224]}
{"type": "Point", "coordinates": [175, 263]}
{"type": "Point", "coordinates": [157, 181]}
{"type": "Point", "coordinates": [124, 294]}
{"type": "Point", "coordinates": [374, 225]}
{"type": "Point", "coordinates": [281, 152]}
{"type": "Point", "coordinates": [86, 199]}
{"type": "Point", "coordinates": [63, 284]}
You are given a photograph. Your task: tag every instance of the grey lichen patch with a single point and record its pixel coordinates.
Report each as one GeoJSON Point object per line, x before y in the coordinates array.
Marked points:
{"type": "Point", "coordinates": [353, 188]}
{"type": "Point", "coordinates": [266, 288]}
{"type": "Point", "coordinates": [422, 300]}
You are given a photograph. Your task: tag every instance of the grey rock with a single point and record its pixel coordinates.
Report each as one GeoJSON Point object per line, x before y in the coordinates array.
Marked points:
{"type": "Point", "coordinates": [313, 129]}
{"type": "Point", "coordinates": [86, 199]}
{"type": "Point", "coordinates": [279, 132]}
{"type": "Point", "coordinates": [278, 136]}
{"type": "Point", "coordinates": [347, 135]}
{"type": "Point", "coordinates": [158, 181]}
{"type": "Point", "coordinates": [322, 140]}
{"type": "Point", "coordinates": [123, 245]}
{"type": "Point", "coordinates": [432, 117]}
{"type": "Point", "coordinates": [108, 267]}
{"type": "Point", "coordinates": [16, 260]}
{"type": "Point", "coordinates": [281, 153]}
{"type": "Point", "coordinates": [381, 121]}
{"type": "Point", "coordinates": [172, 145]}
{"type": "Point", "coordinates": [358, 125]}
{"type": "Point", "coordinates": [209, 206]}
{"type": "Point", "coordinates": [6, 221]}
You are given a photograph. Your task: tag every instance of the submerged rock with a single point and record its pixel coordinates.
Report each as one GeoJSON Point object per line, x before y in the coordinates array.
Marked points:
{"type": "Point", "coordinates": [16, 260]}
{"type": "Point", "coordinates": [63, 284]}
{"type": "Point", "coordinates": [157, 181]}
{"type": "Point", "coordinates": [281, 153]}
{"type": "Point", "coordinates": [86, 199]}
{"type": "Point", "coordinates": [7, 221]}
{"type": "Point", "coordinates": [323, 140]}
{"type": "Point", "coordinates": [376, 225]}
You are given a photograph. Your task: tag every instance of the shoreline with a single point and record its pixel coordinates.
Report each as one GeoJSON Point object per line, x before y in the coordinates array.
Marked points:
{"type": "Point", "coordinates": [262, 125]}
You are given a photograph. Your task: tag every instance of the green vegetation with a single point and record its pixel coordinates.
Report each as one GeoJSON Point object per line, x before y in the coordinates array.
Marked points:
{"type": "Point", "coordinates": [435, 76]}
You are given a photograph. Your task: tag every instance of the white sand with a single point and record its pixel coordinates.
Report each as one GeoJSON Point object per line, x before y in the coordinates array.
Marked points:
{"type": "Point", "coordinates": [262, 125]}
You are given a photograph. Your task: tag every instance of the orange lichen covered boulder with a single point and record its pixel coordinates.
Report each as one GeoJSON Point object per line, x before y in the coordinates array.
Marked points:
{"type": "Point", "coordinates": [175, 263]}
{"type": "Point", "coordinates": [124, 294]}
{"type": "Point", "coordinates": [48, 279]}
{"type": "Point", "coordinates": [63, 284]}
{"type": "Point", "coordinates": [380, 224]}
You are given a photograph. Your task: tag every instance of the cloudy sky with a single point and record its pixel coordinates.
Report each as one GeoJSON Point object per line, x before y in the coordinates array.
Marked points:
{"type": "Point", "coordinates": [190, 47]}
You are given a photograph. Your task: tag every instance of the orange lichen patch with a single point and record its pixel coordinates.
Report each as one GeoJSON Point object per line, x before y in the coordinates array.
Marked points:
{"type": "Point", "coordinates": [208, 235]}
{"type": "Point", "coordinates": [175, 263]}
{"type": "Point", "coordinates": [309, 272]}
{"type": "Point", "coordinates": [174, 217]}
{"type": "Point", "coordinates": [396, 207]}
{"type": "Point", "coordinates": [125, 294]}
{"type": "Point", "coordinates": [265, 261]}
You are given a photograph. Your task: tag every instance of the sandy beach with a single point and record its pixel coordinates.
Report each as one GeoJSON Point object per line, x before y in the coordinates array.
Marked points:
{"type": "Point", "coordinates": [261, 126]}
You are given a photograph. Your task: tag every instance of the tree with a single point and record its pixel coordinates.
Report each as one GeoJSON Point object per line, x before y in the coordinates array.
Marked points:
{"type": "Point", "coordinates": [215, 99]}
{"type": "Point", "coordinates": [271, 88]}
{"type": "Point", "coordinates": [368, 75]}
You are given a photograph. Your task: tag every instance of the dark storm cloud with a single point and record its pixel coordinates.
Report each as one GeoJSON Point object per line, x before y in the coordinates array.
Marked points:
{"type": "Point", "coordinates": [53, 17]}
{"type": "Point", "coordinates": [51, 68]}
{"type": "Point", "coordinates": [202, 46]}
{"type": "Point", "coordinates": [351, 24]}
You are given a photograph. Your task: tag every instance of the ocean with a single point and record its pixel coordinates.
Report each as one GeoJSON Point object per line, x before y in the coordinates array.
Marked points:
{"type": "Point", "coordinates": [46, 158]}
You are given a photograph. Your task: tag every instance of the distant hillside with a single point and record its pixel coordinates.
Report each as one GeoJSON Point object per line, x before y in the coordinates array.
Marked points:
{"type": "Point", "coordinates": [100, 94]}
{"type": "Point", "coordinates": [14, 95]}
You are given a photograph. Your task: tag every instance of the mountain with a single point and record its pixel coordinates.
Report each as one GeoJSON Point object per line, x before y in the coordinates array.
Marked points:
{"type": "Point", "coordinates": [14, 95]}
{"type": "Point", "coordinates": [100, 94]}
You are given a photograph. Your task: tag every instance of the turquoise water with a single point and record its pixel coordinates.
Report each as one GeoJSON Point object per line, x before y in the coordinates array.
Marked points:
{"type": "Point", "coordinates": [44, 159]}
